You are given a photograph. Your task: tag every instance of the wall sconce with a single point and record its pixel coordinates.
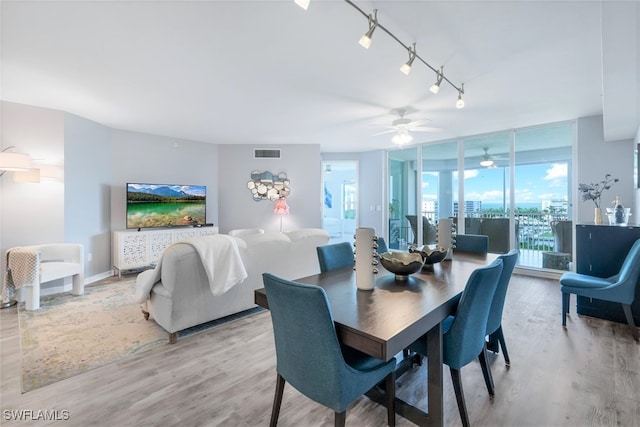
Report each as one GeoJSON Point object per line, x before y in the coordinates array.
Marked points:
{"type": "Point", "coordinates": [31, 175]}
{"type": "Point", "coordinates": [12, 161]}
{"type": "Point", "coordinates": [23, 170]}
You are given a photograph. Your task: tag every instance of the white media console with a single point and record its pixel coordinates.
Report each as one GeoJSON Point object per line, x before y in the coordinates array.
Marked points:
{"type": "Point", "coordinates": [137, 250]}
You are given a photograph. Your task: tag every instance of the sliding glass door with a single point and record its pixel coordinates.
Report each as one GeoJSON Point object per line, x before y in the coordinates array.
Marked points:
{"type": "Point", "coordinates": [513, 186]}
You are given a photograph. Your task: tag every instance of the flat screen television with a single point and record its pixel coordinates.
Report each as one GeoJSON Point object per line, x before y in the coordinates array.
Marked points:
{"type": "Point", "coordinates": [165, 205]}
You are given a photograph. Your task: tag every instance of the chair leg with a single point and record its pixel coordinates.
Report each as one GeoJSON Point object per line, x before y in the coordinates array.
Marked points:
{"type": "Point", "coordinates": [277, 401]}
{"type": "Point", "coordinates": [565, 307]}
{"type": "Point", "coordinates": [492, 343]}
{"type": "Point", "coordinates": [486, 372]}
{"type": "Point", "coordinates": [500, 337]}
{"type": "Point", "coordinates": [629, 316]}
{"type": "Point", "coordinates": [390, 389]}
{"type": "Point", "coordinates": [457, 387]}
{"type": "Point", "coordinates": [341, 418]}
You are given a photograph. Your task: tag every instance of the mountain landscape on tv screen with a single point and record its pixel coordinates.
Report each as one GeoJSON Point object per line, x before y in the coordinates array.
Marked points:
{"type": "Point", "coordinates": [153, 193]}
{"type": "Point", "coordinates": [151, 205]}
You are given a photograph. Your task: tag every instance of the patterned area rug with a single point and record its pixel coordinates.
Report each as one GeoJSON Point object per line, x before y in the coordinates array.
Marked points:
{"type": "Point", "coordinates": [72, 334]}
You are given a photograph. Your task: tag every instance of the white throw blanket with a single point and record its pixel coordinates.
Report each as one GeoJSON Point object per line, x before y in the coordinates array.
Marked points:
{"type": "Point", "coordinates": [220, 259]}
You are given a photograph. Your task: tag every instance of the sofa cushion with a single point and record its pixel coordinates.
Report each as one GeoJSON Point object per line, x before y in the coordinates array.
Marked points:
{"type": "Point", "coordinates": [243, 232]}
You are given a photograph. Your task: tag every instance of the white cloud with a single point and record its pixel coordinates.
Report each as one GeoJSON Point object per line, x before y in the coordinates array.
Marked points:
{"type": "Point", "coordinates": [557, 171]}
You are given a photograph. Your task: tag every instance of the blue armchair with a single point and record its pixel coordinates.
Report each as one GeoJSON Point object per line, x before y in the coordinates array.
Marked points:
{"type": "Point", "coordinates": [620, 288]}
{"type": "Point", "coordinates": [309, 355]}
{"type": "Point", "coordinates": [464, 334]}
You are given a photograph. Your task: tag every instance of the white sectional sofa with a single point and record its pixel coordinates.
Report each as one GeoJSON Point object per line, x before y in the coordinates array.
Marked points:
{"type": "Point", "coordinates": [182, 298]}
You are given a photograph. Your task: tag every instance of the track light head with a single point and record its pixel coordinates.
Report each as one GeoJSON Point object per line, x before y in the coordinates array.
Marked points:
{"type": "Point", "coordinates": [365, 40]}
{"type": "Point", "coordinates": [406, 67]}
{"type": "Point", "coordinates": [460, 103]}
{"type": "Point", "coordinates": [303, 3]}
{"type": "Point", "coordinates": [435, 88]}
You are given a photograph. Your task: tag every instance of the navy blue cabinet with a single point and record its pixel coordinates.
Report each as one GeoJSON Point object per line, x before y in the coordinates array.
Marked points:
{"type": "Point", "coordinates": [600, 251]}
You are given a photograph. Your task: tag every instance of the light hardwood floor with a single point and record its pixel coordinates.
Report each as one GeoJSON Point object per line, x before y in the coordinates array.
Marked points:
{"type": "Point", "coordinates": [588, 374]}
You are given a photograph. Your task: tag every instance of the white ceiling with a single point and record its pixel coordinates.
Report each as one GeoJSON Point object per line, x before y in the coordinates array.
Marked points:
{"type": "Point", "coordinates": [268, 72]}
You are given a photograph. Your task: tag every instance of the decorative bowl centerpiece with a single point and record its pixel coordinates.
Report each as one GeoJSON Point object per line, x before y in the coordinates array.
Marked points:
{"type": "Point", "coordinates": [430, 255]}
{"type": "Point", "coordinates": [402, 264]}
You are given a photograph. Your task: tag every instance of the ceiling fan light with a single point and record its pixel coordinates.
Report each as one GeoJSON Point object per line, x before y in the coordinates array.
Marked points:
{"type": "Point", "coordinates": [486, 163]}
{"type": "Point", "coordinates": [303, 3]}
{"type": "Point", "coordinates": [402, 138]}
{"type": "Point", "coordinates": [365, 40]}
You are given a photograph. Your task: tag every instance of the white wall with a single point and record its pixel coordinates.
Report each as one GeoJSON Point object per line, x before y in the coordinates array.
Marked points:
{"type": "Point", "coordinates": [153, 159]}
{"type": "Point", "coordinates": [595, 158]}
{"type": "Point", "coordinates": [87, 213]}
{"type": "Point", "coordinates": [301, 163]}
{"type": "Point", "coordinates": [32, 213]}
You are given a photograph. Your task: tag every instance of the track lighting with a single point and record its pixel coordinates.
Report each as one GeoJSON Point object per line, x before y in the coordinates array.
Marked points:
{"type": "Point", "coordinates": [460, 103]}
{"type": "Point", "coordinates": [365, 40]}
{"type": "Point", "coordinates": [406, 67]}
{"type": "Point", "coordinates": [435, 88]}
{"type": "Point", "coordinates": [402, 137]}
{"type": "Point", "coordinates": [303, 3]}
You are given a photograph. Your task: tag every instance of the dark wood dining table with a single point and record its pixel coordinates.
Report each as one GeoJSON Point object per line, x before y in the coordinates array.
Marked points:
{"type": "Point", "coordinates": [383, 322]}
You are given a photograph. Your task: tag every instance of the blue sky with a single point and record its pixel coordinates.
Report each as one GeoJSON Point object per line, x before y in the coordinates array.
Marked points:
{"type": "Point", "coordinates": [534, 184]}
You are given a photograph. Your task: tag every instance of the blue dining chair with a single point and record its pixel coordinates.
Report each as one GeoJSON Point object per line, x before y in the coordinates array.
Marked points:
{"type": "Point", "coordinates": [335, 256]}
{"type": "Point", "coordinates": [494, 323]}
{"type": "Point", "coordinates": [464, 334]}
{"type": "Point", "coordinates": [382, 246]}
{"type": "Point", "coordinates": [477, 243]}
{"type": "Point", "coordinates": [620, 288]}
{"type": "Point", "coordinates": [310, 357]}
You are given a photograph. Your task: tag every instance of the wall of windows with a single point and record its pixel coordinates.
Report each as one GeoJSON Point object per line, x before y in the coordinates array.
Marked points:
{"type": "Point", "coordinates": [516, 183]}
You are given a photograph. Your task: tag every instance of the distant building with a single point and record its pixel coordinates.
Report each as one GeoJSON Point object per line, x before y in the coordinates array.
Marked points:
{"type": "Point", "coordinates": [560, 207]}
{"type": "Point", "coordinates": [469, 207]}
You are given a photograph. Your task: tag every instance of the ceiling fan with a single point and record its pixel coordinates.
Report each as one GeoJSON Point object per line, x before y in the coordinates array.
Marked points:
{"type": "Point", "coordinates": [487, 160]}
{"type": "Point", "coordinates": [403, 126]}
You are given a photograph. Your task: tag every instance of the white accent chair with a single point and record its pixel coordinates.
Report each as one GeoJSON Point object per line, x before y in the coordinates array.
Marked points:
{"type": "Point", "coordinates": [56, 261]}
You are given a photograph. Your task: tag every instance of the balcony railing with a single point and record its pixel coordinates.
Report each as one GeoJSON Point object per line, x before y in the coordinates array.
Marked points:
{"type": "Point", "coordinates": [535, 233]}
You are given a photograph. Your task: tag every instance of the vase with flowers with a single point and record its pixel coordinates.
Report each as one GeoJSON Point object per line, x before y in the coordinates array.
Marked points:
{"type": "Point", "coordinates": [593, 191]}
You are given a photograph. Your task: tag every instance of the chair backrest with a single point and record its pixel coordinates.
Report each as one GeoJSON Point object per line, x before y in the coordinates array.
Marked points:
{"type": "Point", "coordinates": [335, 256]}
{"type": "Point", "coordinates": [465, 338]}
{"type": "Point", "coordinates": [307, 347]}
{"type": "Point", "coordinates": [562, 236]}
{"type": "Point", "coordinates": [382, 246]}
{"type": "Point", "coordinates": [472, 243]}
{"type": "Point", "coordinates": [429, 232]}
{"type": "Point", "coordinates": [495, 314]}
{"type": "Point", "coordinates": [629, 275]}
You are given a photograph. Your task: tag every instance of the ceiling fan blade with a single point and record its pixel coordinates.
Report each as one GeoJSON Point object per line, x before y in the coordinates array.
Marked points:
{"type": "Point", "coordinates": [386, 131]}
{"type": "Point", "coordinates": [419, 122]}
{"type": "Point", "coordinates": [425, 129]}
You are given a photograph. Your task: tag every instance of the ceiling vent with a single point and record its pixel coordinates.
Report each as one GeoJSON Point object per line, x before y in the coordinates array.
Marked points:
{"type": "Point", "coordinates": [262, 153]}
